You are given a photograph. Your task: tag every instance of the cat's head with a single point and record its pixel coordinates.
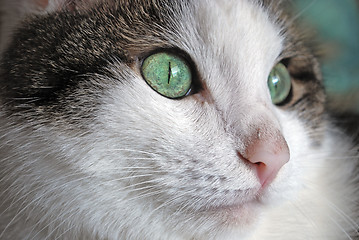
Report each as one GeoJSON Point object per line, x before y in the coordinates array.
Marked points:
{"type": "Point", "coordinates": [147, 118]}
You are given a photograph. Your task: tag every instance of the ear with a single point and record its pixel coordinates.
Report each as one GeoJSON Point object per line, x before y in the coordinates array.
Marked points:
{"type": "Point", "coordinates": [67, 5]}
{"type": "Point", "coordinates": [23, 7]}
{"type": "Point", "coordinates": [13, 11]}
{"type": "Point", "coordinates": [39, 6]}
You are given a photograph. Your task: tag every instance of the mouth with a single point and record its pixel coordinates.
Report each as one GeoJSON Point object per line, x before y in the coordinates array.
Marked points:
{"type": "Point", "coordinates": [239, 214]}
{"type": "Point", "coordinates": [242, 218]}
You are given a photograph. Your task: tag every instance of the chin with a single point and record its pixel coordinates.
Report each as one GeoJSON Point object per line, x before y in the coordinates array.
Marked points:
{"type": "Point", "coordinates": [228, 222]}
{"type": "Point", "coordinates": [240, 221]}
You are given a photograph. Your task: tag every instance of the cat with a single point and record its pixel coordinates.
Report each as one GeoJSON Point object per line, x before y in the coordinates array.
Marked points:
{"type": "Point", "coordinates": [151, 119]}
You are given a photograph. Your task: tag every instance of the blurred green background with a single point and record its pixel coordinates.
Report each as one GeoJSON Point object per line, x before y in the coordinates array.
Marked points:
{"type": "Point", "coordinates": [337, 22]}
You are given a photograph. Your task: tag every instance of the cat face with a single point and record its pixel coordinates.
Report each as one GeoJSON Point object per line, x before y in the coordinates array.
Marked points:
{"type": "Point", "coordinates": [100, 143]}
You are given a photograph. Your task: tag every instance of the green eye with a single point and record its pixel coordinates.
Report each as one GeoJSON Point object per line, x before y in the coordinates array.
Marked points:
{"type": "Point", "coordinates": [279, 83]}
{"type": "Point", "coordinates": [168, 74]}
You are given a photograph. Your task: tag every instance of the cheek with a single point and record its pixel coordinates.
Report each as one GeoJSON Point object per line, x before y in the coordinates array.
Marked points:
{"type": "Point", "coordinates": [302, 155]}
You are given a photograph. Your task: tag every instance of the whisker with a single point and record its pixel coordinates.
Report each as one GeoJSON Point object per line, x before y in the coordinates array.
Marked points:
{"type": "Point", "coordinates": [62, 234]}
{"type": "Point", "coordinates": [144, 195]}
{"type": "Point", "coordinates": [166, 203]}
{"type": "Point", "coordinates": [66, 183]}
{"type": "Point", "coordinates": [133, 151]}
{"type": "Point", "coordinates": [345, 217]}
{"type": "Point", "coordinates": [334, 193]}
{"type": "Point", "coordinates": [40, 187]}
{"type": "Point", "coordinates": [340, 227]}
{"type": "Point", "coordinates": [51, 222]}
{"type": "Point", "coordinates": [304, 214]}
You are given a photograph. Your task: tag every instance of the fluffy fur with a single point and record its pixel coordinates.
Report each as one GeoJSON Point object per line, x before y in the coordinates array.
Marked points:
{"type": "Point", "coordinates": [89, 151]}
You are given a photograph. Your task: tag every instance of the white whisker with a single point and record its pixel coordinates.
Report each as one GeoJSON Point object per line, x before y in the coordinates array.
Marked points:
{"type": "Point", "coordinates": [344, 216]}
{"type": "Point", "coordinates": [341, 228]}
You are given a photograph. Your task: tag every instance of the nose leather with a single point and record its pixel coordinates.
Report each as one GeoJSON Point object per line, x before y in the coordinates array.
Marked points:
{"type": "Point", "coordinates": [267, 156]}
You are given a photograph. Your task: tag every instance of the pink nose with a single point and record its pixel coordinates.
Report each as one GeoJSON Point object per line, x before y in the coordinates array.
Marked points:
{"type": "Point", "coordinates": [268, 157]}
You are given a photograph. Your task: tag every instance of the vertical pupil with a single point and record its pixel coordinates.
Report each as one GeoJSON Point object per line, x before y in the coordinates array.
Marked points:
{"type": "Point", "coordinates": [169, 72]}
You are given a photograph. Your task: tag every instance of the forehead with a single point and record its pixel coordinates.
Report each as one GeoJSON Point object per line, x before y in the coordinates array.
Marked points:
{"type": "Point", "coordinates": [236, 41]}
{"type": "Point", "coordinates": [241, 28]}
{"type": "Point", "coordinates": [225, 27]}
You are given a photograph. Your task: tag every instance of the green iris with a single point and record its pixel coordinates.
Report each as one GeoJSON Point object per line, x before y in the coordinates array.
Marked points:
{"type": "Point", "coordinates": [279, 83]}
{"type": "Point", "coordinates": [168, 74]}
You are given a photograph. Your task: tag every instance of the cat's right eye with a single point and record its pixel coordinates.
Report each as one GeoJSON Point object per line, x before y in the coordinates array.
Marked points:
{"type": "Point", "coordinates": [279, 83]}
{"type": "Point", "coordinates": [168, 74]}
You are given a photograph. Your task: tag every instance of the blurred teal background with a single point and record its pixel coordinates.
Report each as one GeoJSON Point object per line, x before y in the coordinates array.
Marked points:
{"type": "Point", "coordinates": [337, 22]}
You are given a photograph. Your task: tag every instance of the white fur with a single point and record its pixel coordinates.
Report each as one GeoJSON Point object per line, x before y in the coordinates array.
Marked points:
{"type": "Point", "coordinates": [131, 175]}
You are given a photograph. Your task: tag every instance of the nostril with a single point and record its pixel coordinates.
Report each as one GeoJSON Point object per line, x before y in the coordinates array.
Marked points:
{"type": "Point", "coordinates": [266, 158]}
{"type": "Point", "coordinates": [265, 173]}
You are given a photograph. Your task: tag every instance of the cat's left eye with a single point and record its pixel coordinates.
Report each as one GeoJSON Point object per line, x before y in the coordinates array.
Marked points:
{"type": "Point", "coordinates": [168, 74]}
{"type": "Point", "coordinates": [279, 84]}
